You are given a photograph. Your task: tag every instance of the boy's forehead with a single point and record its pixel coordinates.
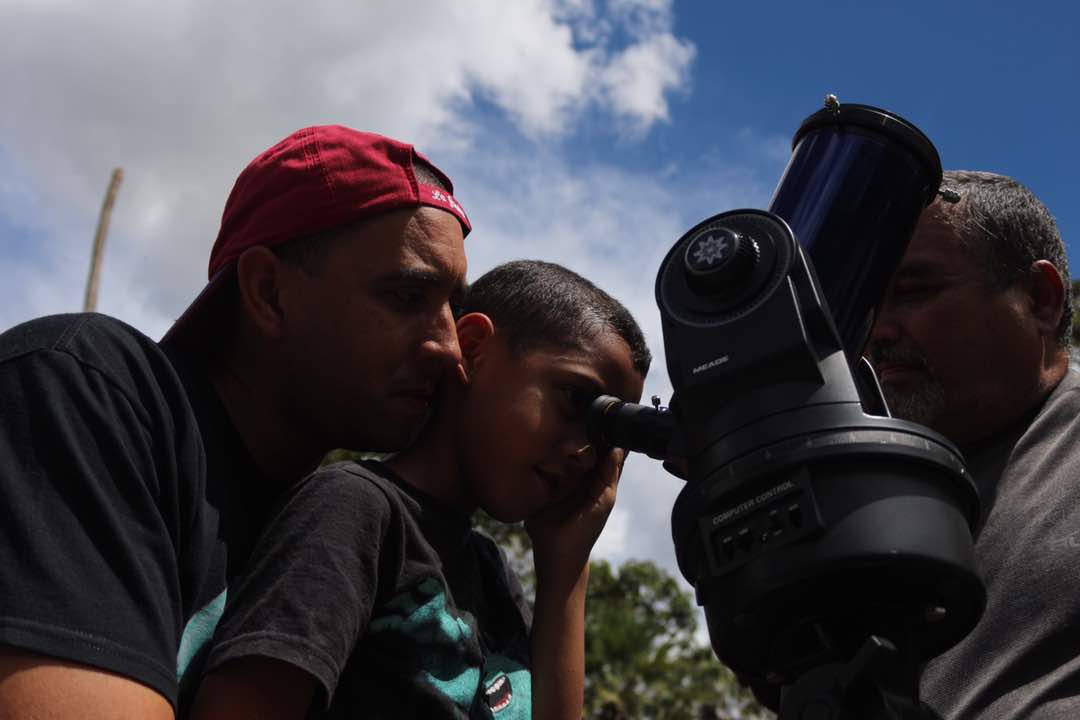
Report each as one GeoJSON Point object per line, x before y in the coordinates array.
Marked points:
{"type": "Point", "coordinates": [604, 358]}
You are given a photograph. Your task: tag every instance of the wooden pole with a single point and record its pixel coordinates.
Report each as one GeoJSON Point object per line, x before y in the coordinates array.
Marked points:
{"type": "Point", "coordinates": [92, 283]}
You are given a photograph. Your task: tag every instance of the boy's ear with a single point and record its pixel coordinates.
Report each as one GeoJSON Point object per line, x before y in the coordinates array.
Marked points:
{"type": "Point", "coordinates": [473, 331]}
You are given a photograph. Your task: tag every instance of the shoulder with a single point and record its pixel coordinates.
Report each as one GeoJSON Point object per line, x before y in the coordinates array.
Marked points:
{"type": "Point", "coordinates": [346, 490]}
{"type": "Point", "coordinates": [87, 336]}
{"type": "Point", "coordinates": [1040, 466]}
{"type": "Point", "coordinates": [349, 479]}
{"type": "Point", "coordinates": [88, 344]}
{"type": "Point", "coordinates": [1067, 392]}
{"type": "Point", "coordinates": [1058, 421]}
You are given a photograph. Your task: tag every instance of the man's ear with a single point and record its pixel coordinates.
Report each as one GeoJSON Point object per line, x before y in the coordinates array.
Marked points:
{"type": "Point", "coordinates": [1047, 291]}
{"type": "Point", "coordinates": [258, 278]}
{"type": "Point", "coordinates": [474, 330]}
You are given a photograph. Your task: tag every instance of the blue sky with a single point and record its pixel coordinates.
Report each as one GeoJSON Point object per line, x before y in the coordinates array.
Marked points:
{"type": "Point", "coordinates": [591, 133]}
{"type": "Point", "coordinates": [995, 85]}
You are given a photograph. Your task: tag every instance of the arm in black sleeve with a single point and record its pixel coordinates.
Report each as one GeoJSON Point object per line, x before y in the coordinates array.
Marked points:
{"type": "Point", "coordinates": [307, 594]}
{"type": "Point", "coordinates": [88, 561]}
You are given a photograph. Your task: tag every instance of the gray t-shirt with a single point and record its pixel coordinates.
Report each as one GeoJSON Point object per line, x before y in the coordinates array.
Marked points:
{"type": "Point", "coordinates": [388, 598]}
{"type": "Point", "coordinates": [1023, 658]}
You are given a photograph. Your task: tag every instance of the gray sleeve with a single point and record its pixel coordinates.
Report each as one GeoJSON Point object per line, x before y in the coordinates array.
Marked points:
{"type": "Point", "coordinates": [307, 594]}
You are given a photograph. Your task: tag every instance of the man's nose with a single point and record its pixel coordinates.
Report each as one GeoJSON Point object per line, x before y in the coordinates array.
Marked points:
{"type": "Point", "coordinates": [442, 341]}
{"type": "Point", "coordinates": [886, 327]}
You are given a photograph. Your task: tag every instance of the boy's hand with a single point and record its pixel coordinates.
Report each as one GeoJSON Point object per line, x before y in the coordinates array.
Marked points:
{"type": "Point", "coordinates": [563, 535]}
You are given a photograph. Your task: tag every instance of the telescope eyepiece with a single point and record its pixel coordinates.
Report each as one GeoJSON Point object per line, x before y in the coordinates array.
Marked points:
{"type": "Point", "coordinates": [641, 428]}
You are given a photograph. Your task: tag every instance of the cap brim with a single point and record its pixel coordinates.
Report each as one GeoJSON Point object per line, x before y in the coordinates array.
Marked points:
{"type": "Point", "coordinates": [203, 312]}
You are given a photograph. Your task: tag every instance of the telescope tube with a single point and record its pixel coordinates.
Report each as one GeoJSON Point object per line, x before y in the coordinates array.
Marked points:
{"type": "Point", "coordinates": [852, 193]}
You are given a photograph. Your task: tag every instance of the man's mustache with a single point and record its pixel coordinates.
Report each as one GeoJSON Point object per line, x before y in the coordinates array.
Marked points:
{"type": "Point", "coordinates": [893, 353]}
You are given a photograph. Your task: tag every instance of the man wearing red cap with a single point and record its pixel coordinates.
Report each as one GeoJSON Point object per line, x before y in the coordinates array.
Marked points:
{"type": "Point", "coordinates": [136, 476]}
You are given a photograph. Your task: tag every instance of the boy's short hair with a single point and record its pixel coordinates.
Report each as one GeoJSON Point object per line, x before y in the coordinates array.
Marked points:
{"type": "Point", "coordinates": [534, 304]}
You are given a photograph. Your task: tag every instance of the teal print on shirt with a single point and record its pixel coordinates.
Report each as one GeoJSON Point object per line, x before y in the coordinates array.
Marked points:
{"type": "Point", "coordinates": [198, 631]}
{"type": "Point", "coordinates": [440, 638]}
{"type": "Point", "coordinates": [508, 688]}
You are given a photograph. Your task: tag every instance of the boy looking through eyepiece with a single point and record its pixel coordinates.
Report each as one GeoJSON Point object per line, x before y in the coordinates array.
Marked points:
{"type": "Point", "coordinates": [370, 593]}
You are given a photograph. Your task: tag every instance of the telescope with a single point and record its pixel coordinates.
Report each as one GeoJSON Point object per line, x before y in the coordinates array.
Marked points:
{"type": "Point", "coordinates": [829, 544]}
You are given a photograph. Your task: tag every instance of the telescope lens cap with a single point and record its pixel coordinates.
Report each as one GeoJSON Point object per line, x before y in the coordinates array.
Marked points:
{"type": "Point", "coordinates": [720, 260]}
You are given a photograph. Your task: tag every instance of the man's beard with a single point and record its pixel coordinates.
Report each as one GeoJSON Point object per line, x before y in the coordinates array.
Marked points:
{"type": "Point", "coordinates": [921, 398]}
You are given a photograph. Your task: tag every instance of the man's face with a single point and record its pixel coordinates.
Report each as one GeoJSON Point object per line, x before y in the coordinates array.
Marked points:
{"type": "Point", "coordinates": [521, 431]}
{"type": "Point", "coordinates": [952, 351]}
{"type": "Point", "coordinates": [372, 332]}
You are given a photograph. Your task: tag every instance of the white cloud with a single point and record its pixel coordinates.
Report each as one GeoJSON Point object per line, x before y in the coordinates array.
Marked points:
{"type": "Point", "coordinates": [638, 79]}
{"type": "Point", "coordinates": [528, 65]}
{"type": "Point", "coordinates": [182, 95]}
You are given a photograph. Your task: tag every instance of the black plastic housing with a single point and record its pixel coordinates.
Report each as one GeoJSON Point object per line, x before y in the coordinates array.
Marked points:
{"type": "Point", "coordinates": [815, 533]}
{"type": "Point", "coordinates": [807, 525]}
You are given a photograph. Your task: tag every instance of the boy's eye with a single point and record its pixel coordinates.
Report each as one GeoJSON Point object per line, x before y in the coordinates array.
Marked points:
{"type": "Point", "coordinates": [578, 399]}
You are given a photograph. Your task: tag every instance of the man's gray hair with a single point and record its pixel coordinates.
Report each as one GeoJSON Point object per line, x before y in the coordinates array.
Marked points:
{"type": "Point", "coordinates": [1008, 228]}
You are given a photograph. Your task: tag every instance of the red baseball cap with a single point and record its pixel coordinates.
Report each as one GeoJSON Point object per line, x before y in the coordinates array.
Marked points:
{"type": "Point", "coordinates": [316, 179]}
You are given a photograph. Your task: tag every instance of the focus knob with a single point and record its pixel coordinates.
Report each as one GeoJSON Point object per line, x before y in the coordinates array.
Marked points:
{"type": "Point", "coordinates": [720, 261]}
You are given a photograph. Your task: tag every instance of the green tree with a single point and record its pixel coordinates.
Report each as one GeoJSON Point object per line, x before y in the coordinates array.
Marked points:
{"type": "Point", "coordinates": [642, 655]}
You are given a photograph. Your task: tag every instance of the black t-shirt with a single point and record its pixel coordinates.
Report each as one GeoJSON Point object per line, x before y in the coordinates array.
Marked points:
{"type": "Point", "coordinates": [388, 598]}
{"type": "Point", "coordinates": [118, 469]}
